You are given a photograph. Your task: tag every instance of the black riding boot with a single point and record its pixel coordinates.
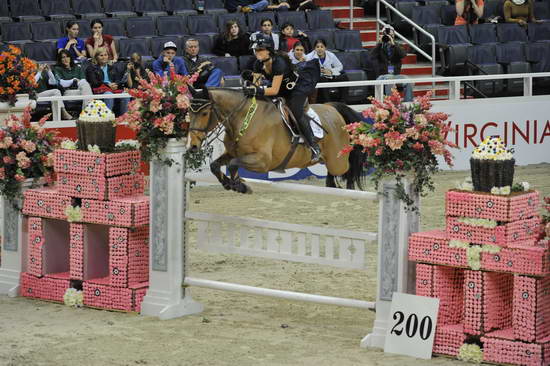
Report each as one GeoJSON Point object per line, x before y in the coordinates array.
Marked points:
{"type": "Point", "coordinates": [308, 136]}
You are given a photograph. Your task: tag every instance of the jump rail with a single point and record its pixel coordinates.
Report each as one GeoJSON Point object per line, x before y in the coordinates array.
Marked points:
{"type": "Point", "coordinates": [169, 286]}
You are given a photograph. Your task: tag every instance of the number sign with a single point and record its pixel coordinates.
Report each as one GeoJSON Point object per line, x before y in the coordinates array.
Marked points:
{"type": "Point", "coordinates": [411, 326]}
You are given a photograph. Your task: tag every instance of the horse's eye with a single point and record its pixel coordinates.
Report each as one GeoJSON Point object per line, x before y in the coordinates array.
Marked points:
{"type": "Point", "coordinates": [204, 113]}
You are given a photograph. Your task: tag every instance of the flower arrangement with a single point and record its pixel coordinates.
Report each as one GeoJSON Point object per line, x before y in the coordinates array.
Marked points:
{"type": "Point", "coordinates": [16, 75]}
{"type": "Point", "coordinates": [26, 151]}
{"type": "Point", "coordinates": [73, 298]}
{"type": "Point", "coordinates": [158, 112]}
{"type": "Point", "coordinates": [470, 353]}
{"type": "Point", "coordinates": [403, 138]}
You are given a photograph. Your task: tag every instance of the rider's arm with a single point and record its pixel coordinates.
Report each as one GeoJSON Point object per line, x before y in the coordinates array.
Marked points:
{"type": "Point", "coordinates": [275, 86]}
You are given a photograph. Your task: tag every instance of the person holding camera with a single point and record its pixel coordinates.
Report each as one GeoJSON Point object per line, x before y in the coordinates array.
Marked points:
{"type": "Point", "coordinates": [135, 72]}
{"type": "Point", "coordinates": [71, 76]}
{"type": "Point", "coordinates": [386, 61]}
{"type": "Point", "coordinates": [468, 11]}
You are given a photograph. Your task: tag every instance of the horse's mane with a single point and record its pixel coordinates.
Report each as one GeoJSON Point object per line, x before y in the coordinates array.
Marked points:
{"type": "Point", "coordinates": [234, 92]}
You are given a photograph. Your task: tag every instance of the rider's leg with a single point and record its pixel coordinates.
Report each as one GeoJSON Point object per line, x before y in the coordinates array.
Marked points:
{"type": "Point", "coordinates": [296, 103]}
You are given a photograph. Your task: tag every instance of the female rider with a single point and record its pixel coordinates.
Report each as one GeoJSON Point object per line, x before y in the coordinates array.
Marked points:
{"type": "Point", "coordinates": [277, 70]}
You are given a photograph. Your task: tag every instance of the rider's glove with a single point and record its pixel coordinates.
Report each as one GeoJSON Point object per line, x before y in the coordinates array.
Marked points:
{"type": "Point", "coordinates": [247, 75]}
{"type": "Point", "coordinates": [253, 91]}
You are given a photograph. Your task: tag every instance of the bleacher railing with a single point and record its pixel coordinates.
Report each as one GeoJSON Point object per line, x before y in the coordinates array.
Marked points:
{"type": "Point", "coordinates": [454, 86]}
{"type": "Point", "coordinates": [380, 22]}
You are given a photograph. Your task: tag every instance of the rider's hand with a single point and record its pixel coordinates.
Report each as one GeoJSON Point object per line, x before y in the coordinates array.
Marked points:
{"type": "Point", "coordinates": [247, 75]}
{"type": "Point", "coordinates": [252, 91]}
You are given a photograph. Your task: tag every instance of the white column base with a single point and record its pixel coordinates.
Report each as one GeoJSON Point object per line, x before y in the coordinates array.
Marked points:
{"type": "Point", "coordinates": [9, 282]}
{"type": "Point", "coordinates": [377, 338]}
{"type": "Point", "coordinates": [161, 305]}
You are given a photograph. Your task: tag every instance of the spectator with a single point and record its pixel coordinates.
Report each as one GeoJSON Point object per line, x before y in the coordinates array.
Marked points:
{"type": "Point", "coordinates": [246, 6]}
{"type": "Point", "coordinates": [298, 53]}
{"type": "Point", "coordinates": [100, 40]}
{"type": "Point", "coordinates": [168, 61]}
{"type": "Point", "coordinates": [331, 71]}
{"type": "Point", "coordinates": [208, 74]}
{"type": "Point", "coordinates": [302, 5]}
{"type": "Point", "coordinates": [267, 30]}
{"type": "Point", "coordinates": [72, 43]}
{"type": "Point", "coordinates": [519, 11]}
{"type": "Point", "coordinates": [288, 38]}
{"type": "Point", "coordinates": [386, 58]}
{"type": "Point", "coordinates": [279, 5]}
{"type": "Point", "coordinates": [71, 76]}
{"type": "Point", "coordinates": [232, 42]}
{"type": "Point", "coordinates": [468, 11]}
{"type": "Point", "coordinates": [105, 78]}
{"type": "Point", "coordinates": [135, 71]}
{"type": "Point", "coordinates": [47, 87]}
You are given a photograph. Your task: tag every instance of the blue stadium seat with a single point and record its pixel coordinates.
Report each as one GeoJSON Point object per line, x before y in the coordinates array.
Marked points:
{"type": "Point", "coordinates": [246, 62]}
{"type": "Point", "coordinates": [448, 14]}
{"type": "Point", "coordinates": [206, 43]}
{"type": "Point", "coordinates": [542, 10]}
{"type": "Point", "coordinates": [16, 32]}
{"type": "Point", "coordinates": [493, 8]}
{"type": "Point", "coordinates": [157, 44]}
{"type": "Point", "coordinates": [512, 56]}
{"type": "Point", "coordinates": [436, 3]}
{"type": "Point", "coordinates": [350, 60]}
{"type": "Point", "coordinates": [429, 18]}
{"type": "Point", "coordinates": [239, 17]}
{"type": "Point", "coordinates": [406, 8]}
{"type": "Point", "coordinates": [127, 46]}
{"type": "Point", "coordinates": [453, 44]}
{"type": "Point", "coordinates": [485, 59]}
{"type": "Point", "coordinates": [152, 8]}
{"type": "Point", "coordinates": [57, 9]}
{"type": "Point", "coordinates": [348, 40]}
{"type": "Point", "coordinates": [539, 32]}
{"type": "Point", "coordinates": [327, 35]}
{"type": "Point", "coordinates": [214, 7]}
{"type": "Point", "coordinates": [511, 32]}
{"type": "Point", "coordinates": [296, 18]}
{"type": "Point", "coordinates": [255, 19]}
{"type": "Point", "coordinates": [114, 27]}
{"type": "Point", "coordinates": [45, 31]}
{"type": "Point", "coordinates": [84, 30]}
{"type": "Point", "coordinates": [137, 27]}
{"type": "Point", "coordinates": [357, 94]}
{"type": "Point", "coordinates": [228, 65]}
{"type": "Point", "coordinates": [171, 26]}
{"type": "Point", "coordinates": [88, 9]}
{"type": "Point", "coordinates": [26, 10]}
{"type": "Point", "coordinates": [40, 51]}
{"type": "Point", "coordinates": [119, 8]}
{"type": "Point", "coordinates": [180, 7]}
{"type": "Point", "coordinates": [202, 24]}
{"type": "Point", "coordinates": [483, 33]}
{"type": "Point", "coordinates": [320, 19]}
{"type": "Point", "coordinates": [4, 12]}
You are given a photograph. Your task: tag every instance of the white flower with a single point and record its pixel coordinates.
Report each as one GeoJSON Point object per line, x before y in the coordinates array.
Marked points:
{"type": "Point", "coordinates": [486, 223]}
{"type": "Point", "coordinates": [74, 214]}
{"type": "Point", "coordinates": [128, 143]}
{"type": "Point", "coordinates": [466, 185]}
{"type": "Point", "coordinates": [525, 185]}
{"type": "Point", "coordinates": [458, 244]}
{"type": "Point", "coordinates": [488, 248]}
{"type": "Point", "coordinates": [495, 190]}
{"type": "Point", "coordinates": [68, 144]}
{"type": "Point", "coordinates": [73, 297]}
{"type": "Point", "coordinates": [470, 353]}
{"type": "Point", "coordinates": [474, 257]}
{"type": "Point", "coordinates": [94, 148]}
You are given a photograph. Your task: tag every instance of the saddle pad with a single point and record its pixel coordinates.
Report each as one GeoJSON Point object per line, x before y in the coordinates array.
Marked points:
{"type": "Point", "coordinates": [315, 127]}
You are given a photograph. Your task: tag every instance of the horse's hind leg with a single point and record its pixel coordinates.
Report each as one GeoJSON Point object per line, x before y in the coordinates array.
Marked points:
{"type": "Point", "coordinates": [329, 181]}
{"type": "Point", "coordinates": [215, 168]}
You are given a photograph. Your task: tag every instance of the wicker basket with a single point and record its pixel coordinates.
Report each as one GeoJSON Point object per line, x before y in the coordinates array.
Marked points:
{"type": "Point", "coordinates": [487, 174]}
{"type": "Point", "coordinates": [101, 134]}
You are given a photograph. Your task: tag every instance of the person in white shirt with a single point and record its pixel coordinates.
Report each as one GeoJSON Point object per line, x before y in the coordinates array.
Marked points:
{"type": "Point", "coordinates": [298, 54]}
{"type": "Point", "coordinates": [47, 87]}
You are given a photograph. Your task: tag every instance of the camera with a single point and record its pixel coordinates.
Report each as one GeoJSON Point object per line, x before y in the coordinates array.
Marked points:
{"type": "Point", "coordinates": [386, 35]}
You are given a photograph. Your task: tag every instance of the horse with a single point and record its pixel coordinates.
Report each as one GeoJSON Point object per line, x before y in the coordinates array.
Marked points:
{"type": "Point", "coordinates": [263, 143]}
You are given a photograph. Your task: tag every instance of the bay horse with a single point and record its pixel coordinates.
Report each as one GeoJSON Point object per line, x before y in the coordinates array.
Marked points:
{"type": "Point", "coordinates": [263, 145]}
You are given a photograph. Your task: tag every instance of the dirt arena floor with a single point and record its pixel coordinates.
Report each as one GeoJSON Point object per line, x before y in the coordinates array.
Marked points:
{"type": "Point", "coordinates": [235, 329]}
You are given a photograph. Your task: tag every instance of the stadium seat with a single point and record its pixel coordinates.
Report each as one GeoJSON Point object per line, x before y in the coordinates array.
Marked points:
{"type": "Point", "coordinates": [296, 18]}
{"type": "Point", "coordinates": [127, 46]}
{"type": "Point", "coordinates": [511, 32]}
{"type": "Point", "coordinates": [406, 8]}
{"type": "Point", "coordinates": [255, 19]}
{"type": "Point", "coordinates": [436, 3]}
{"type": "Point", "coordinates": [448, 14]}
{"type": "Point", "coordinates": [224, 18]}
{"type": "Point", "coordinates": [151, 8]}
{"type": "Point", "coordinates": [214, 7]}
{"type": "Point", "coordinates": [114, 27]}
{"type": "Point", "coordinates": [512, 57]}
{"type": "Point", "coordinates": [493, 8]}
{"type": "Point", "coordinates": [350, 60]}
{"type": "Point", "coordinates": [16, 32]}
{"type": "Point", "coordinates": [84, 30]}
{"type": "Point", "coordinates": [206, 43]}
{"type": "Point", "coordinates": [348, 40]}
{"type": "Point", "coordinates": [171, 26]}
{"type": "Point", "coordinates": [246, 62]}
{"type": "Point", "coordinates": [429, 18]}
{"type": "Point", "coordinates": [157, 45]}
{"type": "Point", "coordinates": [202, 24]}
{"type": "Point", "coordinates": [180, 7]}
{"type": "Point", "coordinates": [320, 19]}
{"type": "Point", "coordinates": [45, 31]}
{"type": "Point", "coordinates": [325, 34]}
{"type": "Point", "coordinates": [538, 54]}
{"type": "Point", "coordinates": [228, 65]}
{"type": "Point", "coordinates": [4, 12]}
{"type": "Point", "coordinates": [57, 9]}
{"type": "Point", "coordinates": [542, 10]}
{"type": "Point", "coordinates": [26, 10]}
{"type": "Point", "coordinates": [89, 9]}
{"type": "Point", "coordinates": [483, 33]}
{"type": "Point", "coordinates": [539, 32]}
{"type": "Point", "coordinates": [356, 94]}
{"type": "Point", "coordinates": [137, 27]}
{"type": "Point", "coordinates": [485, 60]}
{"type": "Point", "coordinates": [40, 51]}
{"type": "Point", "coordinates": [119, 8]}
{"type": "Point", "coordinates": [453, 44]}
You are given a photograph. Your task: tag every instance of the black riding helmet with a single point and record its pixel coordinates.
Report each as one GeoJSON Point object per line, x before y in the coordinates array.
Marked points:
{"type": "Point", "coordinates": [263, 42]}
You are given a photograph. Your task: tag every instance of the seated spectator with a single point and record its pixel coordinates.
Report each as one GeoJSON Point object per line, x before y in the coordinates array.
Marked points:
{"type": "Point", "coordinates": [386, 58]}
{"type": "Point", "coordinates": [47, 87]}
{"type": "Point", "coordinates": [302, 5]}
{"type": "Point", "coordinates": [331, 71]}
{"type": "Point", "coordinates": [519, 11]}
{"type": "Point", "coordinates": [72, 43]}
{"type": "Point", "coordinates": [232, 42]}
{"type": "Point", "coordinates": [278, 5]}
{"type": "Point", "coordinates": [71, 76]}
{"type": "Point", "coordinates": [104, 78]}
{"type": "Point", "coordinates": [99, 40]}
{"type": "Point", "coordinates": [135, 71]}
{"type": "Point", "coordinates": [267, 30]}
{"type": "Point", "coordinates": [288, 38]}
{"type": "Point", "coordinates": [168, 61]}
{"type": "Point", "coordinates": [246, 6]}
{"type": "Point", "coordinates": [468, 11]}
{"type": "Point", "coordinates": [298, 53]}
{"type": "Point", "coordinates": [208, 74]}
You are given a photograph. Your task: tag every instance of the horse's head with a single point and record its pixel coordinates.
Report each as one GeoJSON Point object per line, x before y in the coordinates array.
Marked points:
{"type": "Point", "coordinates": [202, 121]}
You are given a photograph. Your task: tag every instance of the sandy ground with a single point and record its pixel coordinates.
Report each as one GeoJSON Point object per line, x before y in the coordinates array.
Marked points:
{"type": "Point", "coordinates": [234, 329]}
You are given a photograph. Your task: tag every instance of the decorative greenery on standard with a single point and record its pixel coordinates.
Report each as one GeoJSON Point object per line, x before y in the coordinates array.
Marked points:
{"type": "Point", "coordinates": [402, 139]}
{"type": "Point", "coordinates": [158, 113]}
{"type": "Point", "coordinates": [16, 75]}
{"type": "Point", "coordinates": [26, 151]}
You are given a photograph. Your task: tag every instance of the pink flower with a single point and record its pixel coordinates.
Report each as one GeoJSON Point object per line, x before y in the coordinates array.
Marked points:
{"type": "Point", "coordinates": [399, 163]}
{"type": "Point", "coordinates": [345, 150]}
{"type": "Point", "coordinates": [155, 106]}
{"type": "Point", "coordinates": [381, 115]}
{"type": "Point", "coordinates": [367, 141]}
{"type": "Point", "coordinates": [420, 120]}
{"type": "Point", "coordinates": [437, 147]}
{"type": "Point", "coordinates": [380, 126]}
{"type": "Point", "coordinates": [412, 132]}
{"type": "Point", "coordinates": [165, 124]}
{"type": "Point", "coordinates": [394, 140]}
{"type": "Point", "coordinates": [418, 146]}
{"type": "Point", "coordinates": [379, 151]}
{"type": "Point", "coordinates": [182, 101]}
{"type": "Point", "coordinates": [28, 146]}
{"type": "Point", "coordinates": [19, 177]}
{"type": "Point", "coordinates": [23, 160]}
{"type": "Point", "coordinates": [7, 160]}
{"type": "Point", "coordinates": [6, 142]}
{"type": "Point", "coordinates": [2, 173]}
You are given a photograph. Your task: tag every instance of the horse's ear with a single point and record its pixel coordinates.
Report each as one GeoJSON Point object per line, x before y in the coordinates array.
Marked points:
{"type": "Point", "coordinates": [193, 92]}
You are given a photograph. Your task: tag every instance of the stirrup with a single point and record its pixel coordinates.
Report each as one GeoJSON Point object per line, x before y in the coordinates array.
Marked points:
{"type": "Point", "coordinates": [315, 153]}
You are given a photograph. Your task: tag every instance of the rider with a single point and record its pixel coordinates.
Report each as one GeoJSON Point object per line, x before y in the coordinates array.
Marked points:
{"type": "Point", "coordinates": [277, 69]}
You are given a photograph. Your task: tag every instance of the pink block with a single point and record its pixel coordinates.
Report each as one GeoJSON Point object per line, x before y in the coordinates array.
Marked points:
{"type": "Point", "coordinates": [448, 339]}
{"type": "Point", "coordinates": [123, 299]}
{"type": "Point", "coordinates": [125, 186]}
{"type": "Point", "coordinates": [30, 286]}
{"type": "Point", "coordinates": [96, 164]}
{"type": "Point", "coordinates": [487, 302]}
{"type": "Point", "coordinates": [534, 260]}
{"type": "Point", "coordinates": [487, 206]}
{"type": "Point", "coordinates": [100, 188]}
{"type": "Point", "coordinates": [129, 255]}
{"type": "Point", "coordinates": [45, 202]}
{"type": "Point", "coordinates": [138, 298]}
{"type": "Point", "coordinates": [433, 247]}
{"type": "Point", "coordinates": [35, 244]}
{"type": "Point", "coordinates": [500, 347]}
{"type": "Point", "coordinates": [76, 253]}
{"type": "Point", "coordinates": [54, 286]}
{"type": "Point", "coordinates": [127, 212]}
{"type": "Point", "coordinates": [424, 279]}
{"type": "Point", "coordinates": [531, 304]}
{"type": "Point", "coordinates": [118, 271]}
{"type": "Point", "coordinates": [97, 295]}
{"type": "Point", "coordinates": [118, 241]}
{"type": "Point", "coordinates": [525, 231]}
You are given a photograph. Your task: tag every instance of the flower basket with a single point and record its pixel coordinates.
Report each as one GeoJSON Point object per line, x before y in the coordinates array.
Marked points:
{"type": "Point", "coordinates": [487, 174]}
{"type": "Point", "coordinates": [101, 134]}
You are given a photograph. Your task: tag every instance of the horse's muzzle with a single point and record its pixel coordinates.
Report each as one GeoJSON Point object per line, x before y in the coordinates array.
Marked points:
{"type": "Point", "coordinates": [194, 149]}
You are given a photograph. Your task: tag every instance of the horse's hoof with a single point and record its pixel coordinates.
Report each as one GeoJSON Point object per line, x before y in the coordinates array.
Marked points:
{"type": "Point", "coordinates": [227, 186]}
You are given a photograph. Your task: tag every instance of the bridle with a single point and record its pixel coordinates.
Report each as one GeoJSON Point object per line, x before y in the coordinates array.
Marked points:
{"type": "Point", "coordinates": [219, 117]}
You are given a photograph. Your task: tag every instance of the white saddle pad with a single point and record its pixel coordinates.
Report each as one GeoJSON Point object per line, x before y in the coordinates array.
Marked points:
{"type": "Point", "coordinates": [317, 130]}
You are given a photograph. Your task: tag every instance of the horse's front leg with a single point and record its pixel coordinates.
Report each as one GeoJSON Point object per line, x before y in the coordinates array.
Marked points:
{"type": "Point", "coordinates": [255, 162]}
{"type": "Point", "coordinates": [215, 168]}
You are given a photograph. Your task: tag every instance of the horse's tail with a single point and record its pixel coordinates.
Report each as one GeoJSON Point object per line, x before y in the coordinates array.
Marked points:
{"type": "Point", "coordinates": [357, 158]}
